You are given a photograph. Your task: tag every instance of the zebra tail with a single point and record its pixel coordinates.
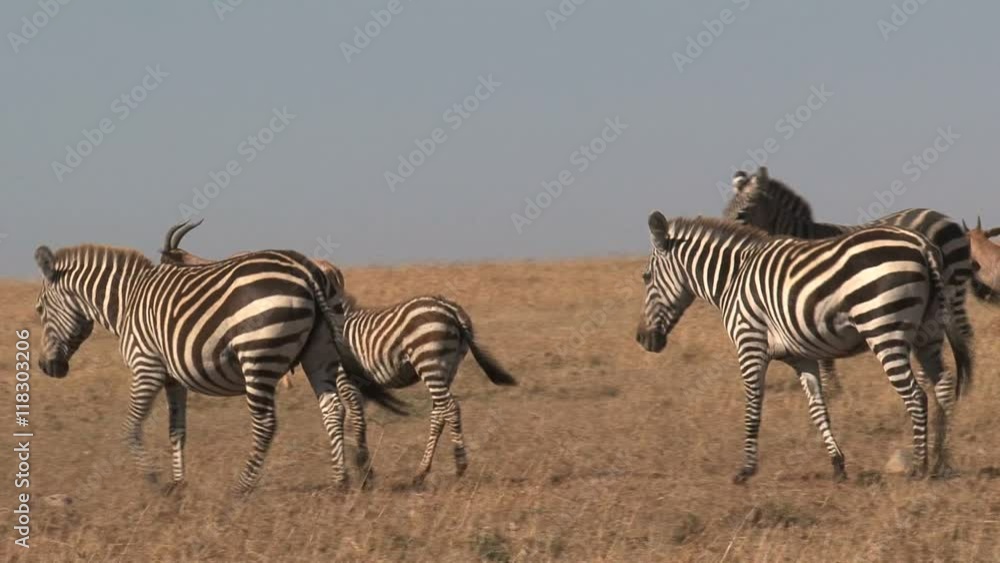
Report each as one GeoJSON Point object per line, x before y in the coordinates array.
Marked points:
{"type": "Point", "coordinates": [950, 319]}
{"type": "Point", "coordinates": [365, 383]}
{"type": "Point", "coordinates": [490, 365]}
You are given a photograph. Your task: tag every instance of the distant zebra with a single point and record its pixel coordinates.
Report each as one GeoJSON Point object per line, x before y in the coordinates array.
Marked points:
{"type": "Point", "coordinates": [764, 202]}
{"type": "Point", "coordinates": [799, 301]}
{"type": "Point", "coordinates": [423, 338]}
{"type": "Point", "coordinates": [226, 329]}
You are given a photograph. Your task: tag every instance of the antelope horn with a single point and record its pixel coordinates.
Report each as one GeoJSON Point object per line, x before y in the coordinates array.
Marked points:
{"type": "Point", "coordinates": [964, 226]}
{"type": "Point", "coordinates": [979, 223]}
{"type": "Point", "coordinates": [177, 232]}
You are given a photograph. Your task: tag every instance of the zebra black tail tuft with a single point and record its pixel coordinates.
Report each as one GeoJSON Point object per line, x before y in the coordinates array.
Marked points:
{"type": "Point", "coordinates": [490, 366]}
{"type": "Point", "coordinates": [497, 374]}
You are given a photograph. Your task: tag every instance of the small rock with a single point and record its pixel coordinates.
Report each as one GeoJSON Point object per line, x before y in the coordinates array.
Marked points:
{"type": "Point", "coordinates": [899, 462]}
{"type": "Point", "coordinates": [58, 500]}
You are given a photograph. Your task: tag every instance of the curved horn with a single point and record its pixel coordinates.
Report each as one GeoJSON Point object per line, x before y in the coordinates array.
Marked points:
{"type": "Point", "coordinates": [177, 232]}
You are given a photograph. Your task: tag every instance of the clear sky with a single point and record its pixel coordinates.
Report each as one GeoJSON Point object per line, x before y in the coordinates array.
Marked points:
{"type": "Point", "coordinates": [532, 85]}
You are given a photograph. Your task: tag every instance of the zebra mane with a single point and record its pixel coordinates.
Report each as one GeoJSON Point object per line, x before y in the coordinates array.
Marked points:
{"type": "Point", "coordinates": [687, 227]}
{"type": "Point", "coordinates": [754, 194]}
{"type": "Point", "coordinates": [71, 256]}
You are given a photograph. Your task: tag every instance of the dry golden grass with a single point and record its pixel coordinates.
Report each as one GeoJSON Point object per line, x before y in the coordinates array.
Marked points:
{"type": "Point", "coordinates": [603, 453]}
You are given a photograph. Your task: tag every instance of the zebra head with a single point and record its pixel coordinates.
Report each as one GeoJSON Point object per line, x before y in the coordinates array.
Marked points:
{"type": "Point", "coordinates": [65, 321]}
{"type": "Point", "coordinates": [667, 292]}
{"type": "Point", "coordinates": [748, 205]}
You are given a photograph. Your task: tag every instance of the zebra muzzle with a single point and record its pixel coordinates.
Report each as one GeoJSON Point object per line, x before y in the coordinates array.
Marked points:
{"type": "Point", "coordinates": [651, 340]}
{"type": "Point", "coordinates": [54, 368]}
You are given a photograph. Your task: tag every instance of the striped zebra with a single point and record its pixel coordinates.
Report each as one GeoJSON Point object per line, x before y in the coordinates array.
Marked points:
{"type": "Point", "coordinates": [424, 338]}
{"type": "Point", "coordinates": [799, 301]}
{"type": "Point", "coordinates": [226, 329]}
{"type": "Point", "coordinates": [764, 202]}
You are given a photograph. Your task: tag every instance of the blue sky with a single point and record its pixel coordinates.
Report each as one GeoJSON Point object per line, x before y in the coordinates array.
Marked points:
{"type": "Point", "coordinates": [497, 98]}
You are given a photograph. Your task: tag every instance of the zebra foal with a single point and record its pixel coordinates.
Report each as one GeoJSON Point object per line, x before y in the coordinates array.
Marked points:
{"type": "Point", "coordinates": [767, 203]}
{"type": "Point", "coordinates": [225, 329]}
{"type": "Point", "coordinates": [424, 338]}
{"type": "Point", "coordinates": [799, 301]}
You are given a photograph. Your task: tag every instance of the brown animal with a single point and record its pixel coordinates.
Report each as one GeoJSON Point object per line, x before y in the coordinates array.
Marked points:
{"type": "Point", "coordinates": [985, 261]}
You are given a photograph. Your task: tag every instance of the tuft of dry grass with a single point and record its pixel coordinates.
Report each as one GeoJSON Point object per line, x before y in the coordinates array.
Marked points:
{"type": "Point", "coordinates": [603, 453]}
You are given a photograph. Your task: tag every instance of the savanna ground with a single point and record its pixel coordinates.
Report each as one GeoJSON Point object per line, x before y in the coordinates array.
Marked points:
{"type": "Point", "coordinates": [603, 453]}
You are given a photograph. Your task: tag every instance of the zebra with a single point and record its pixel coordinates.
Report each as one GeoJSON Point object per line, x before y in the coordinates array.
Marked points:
{"type": "Point", "coordinates": [767, 203]}
{"type": "Point", "coordinates": [226, 329]}
{"type": "Point", "coordinates": [424, 338]}
{"type": "Point", "coordinates": [799, 301]}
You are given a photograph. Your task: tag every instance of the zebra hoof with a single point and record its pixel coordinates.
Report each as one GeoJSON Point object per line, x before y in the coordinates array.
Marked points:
{"type": "Point", "coordinates": [361, 460]}
{"type": "Point", "coordinates": [943, 471]}
{"type": "Point", "coordinates": [368, 483]}
{"type": "Point", "coordinates": [460, 469]}
{"type": "Point", "coordinates": [917, 474]}
{"type": "Point", "coordinates": [152, 478]}
{"type": "Point", "coordinates": [418, 481]}
{"type": "Point", "coordinates": [839, 473]}
{"type": "Point", "coordinates": [174, 488]}
{"type": "Point", "coordinates": [744, 475]}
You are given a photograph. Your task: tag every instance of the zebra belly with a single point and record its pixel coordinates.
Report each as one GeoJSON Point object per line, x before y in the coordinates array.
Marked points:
{"type": "Point", "coordinates": [221, 377]}
{"type": "Point", "coordinates": [836, 337]}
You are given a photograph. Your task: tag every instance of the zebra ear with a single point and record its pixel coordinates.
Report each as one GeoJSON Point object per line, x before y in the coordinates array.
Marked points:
{"type": "Point", "coordinates": [46, 262]}
{"type": "Point", "coordinates": [739, 180]}
{"type": "Point", "coordinates": [759, 178]}
{"type": "Point", "coordinates": [658, 228]}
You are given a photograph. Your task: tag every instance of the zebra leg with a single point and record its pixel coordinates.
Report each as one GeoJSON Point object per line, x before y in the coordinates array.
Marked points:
{"type": "Point", "coordinates": [813, 388]}
{"type": "Point", "coordinates": [177, 403]}
{"type": "Point", "coordinates": [145, 387]}
{"type": "Point", "coordinates": [350, 399]}
{"type": "Point", "coordinates": [437, 424]}
{"type": "Point", "coordinates": [263, 423]}
{"type": "Point", "coordinates": [319, 361]}
{"type": "Point", "coordinates": [894, 355]}
{"type": "Point", "coordinates": [436, 376]}
{"type": "Point", "coordinates": [945, 396]}
{"type": "Point", "coordinates": [829, 377]}
{"type": "Point", "coordinates": [453, 416]}
{"type": "Point", "coordinates": [333, 422]}
{"type": "Point", "coordinates": [753, 366]}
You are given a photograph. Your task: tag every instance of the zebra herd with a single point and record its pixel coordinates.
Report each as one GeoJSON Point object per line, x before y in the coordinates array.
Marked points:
{"type": "Point", "coordinates": [789, 289]}
{"type": "Point", "coordinates": [235, 326]}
